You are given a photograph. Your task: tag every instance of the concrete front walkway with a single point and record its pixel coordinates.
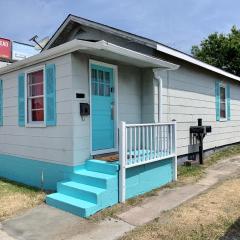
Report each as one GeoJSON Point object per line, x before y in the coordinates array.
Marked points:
{"type": "Point", "coordinates": [48, 223]}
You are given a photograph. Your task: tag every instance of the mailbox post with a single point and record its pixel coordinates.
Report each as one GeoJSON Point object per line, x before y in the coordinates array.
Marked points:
{"type": "Point", "coordinates": [200, 138]}
{"type": "Point", "coordinates": [200, 132]}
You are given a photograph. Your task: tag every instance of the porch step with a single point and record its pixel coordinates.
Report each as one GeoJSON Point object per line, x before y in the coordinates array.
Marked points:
{"type": "Point", "coordinates": [102, 166]}
{"type": "Point", "coordinates": [70, 204]}
{"type": "Point", "coordinates": [91, 178]}
{"type": "Point", "coordinates": [80, 191]}
{"type": "Point", "coordinates": [91, 188]}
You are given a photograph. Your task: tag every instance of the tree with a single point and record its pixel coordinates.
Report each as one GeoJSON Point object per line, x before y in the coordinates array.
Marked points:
{"type": "Point", "coordinates": [221, 50]}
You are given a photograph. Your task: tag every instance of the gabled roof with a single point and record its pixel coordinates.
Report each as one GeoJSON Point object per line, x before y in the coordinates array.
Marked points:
{"type": "Point", "coordinates": [71, 20]}
{"type": "Point", "coordinates": [85, 22]}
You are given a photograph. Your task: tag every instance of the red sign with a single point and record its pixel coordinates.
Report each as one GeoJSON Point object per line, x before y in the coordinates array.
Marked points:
{"type": "Point", "coordinates": [5, 49]}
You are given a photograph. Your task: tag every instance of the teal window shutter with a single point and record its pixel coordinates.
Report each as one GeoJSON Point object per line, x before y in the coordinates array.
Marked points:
{"type": "Point", "coordinates": [50, 94]}
{"type": "Point", "coordinates": [217, 96]}
{"type": "Point", "coordinates": [1, 103]}
{"type": "Point", "coordinates": [228, 102]}
{"type": "Point", "coordinates": [21, 99]}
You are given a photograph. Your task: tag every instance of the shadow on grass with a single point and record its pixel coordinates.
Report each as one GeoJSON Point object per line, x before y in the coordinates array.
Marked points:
{"type": "Point", "coordinates": [12, 185]}
{"type": "Point", "coordinates": [233, 232]}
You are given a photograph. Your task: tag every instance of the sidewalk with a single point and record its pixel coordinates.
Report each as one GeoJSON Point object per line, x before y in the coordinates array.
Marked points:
{"type": "Point", "coordinates": [48, 223]}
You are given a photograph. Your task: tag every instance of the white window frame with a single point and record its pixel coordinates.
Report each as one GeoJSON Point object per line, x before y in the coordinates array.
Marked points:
{"type": "Point", "coordinates": [35, 123]}
{"type": "Point", "coordinates": [223, 85]}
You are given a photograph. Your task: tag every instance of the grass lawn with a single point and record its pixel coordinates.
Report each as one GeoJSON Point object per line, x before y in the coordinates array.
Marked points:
{"type": "Point", "coordinates": [15, 198]}
{"type": "Point", "coordinates": [212, 215]}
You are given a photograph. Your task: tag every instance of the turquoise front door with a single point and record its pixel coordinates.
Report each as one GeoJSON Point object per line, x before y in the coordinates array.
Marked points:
{"type": "Point", "coordinates": [102, 99]}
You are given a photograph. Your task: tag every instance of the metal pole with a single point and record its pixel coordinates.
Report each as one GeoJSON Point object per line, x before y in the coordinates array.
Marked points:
{"type": "Point", "coordinates": [201, 149]}
{"type": "Point", "coordinates": [200, 138]}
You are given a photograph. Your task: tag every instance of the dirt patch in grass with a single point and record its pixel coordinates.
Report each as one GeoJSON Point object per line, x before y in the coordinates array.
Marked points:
{"type": "Point", "coordinates": [212, 215]}
{"type": "Point", "coordinates": [15, 198]}
{"type": "Point", "coordinates": [190, 174]}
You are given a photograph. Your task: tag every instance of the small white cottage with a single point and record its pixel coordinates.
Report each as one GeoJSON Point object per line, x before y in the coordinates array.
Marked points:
{"type": "Point", "coordinates": [94, 92]}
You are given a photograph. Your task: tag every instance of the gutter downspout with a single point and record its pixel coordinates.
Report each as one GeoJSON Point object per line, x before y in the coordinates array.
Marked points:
{"type": "Point", "coordinates": [157, 76]}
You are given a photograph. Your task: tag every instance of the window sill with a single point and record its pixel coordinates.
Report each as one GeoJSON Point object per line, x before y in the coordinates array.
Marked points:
{"type": "Point", "coordinates": [35, 125]}
{"type": "Point", "coordinates": [223, 120]}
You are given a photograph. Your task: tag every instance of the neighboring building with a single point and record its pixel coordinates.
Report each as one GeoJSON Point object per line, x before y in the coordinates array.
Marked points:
{"type": "Point", "coordinates": [12, 51]}
{"type": "Point", "coordinates": [94, 90]}
{"type": "Point", "coordinates": [22, 51]}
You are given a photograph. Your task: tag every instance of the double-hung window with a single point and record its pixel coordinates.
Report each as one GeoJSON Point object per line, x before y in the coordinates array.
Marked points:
{"type": "Point", "coordinates": [223, 102]}
{"type": "Point", "coordinates": [35, 97]}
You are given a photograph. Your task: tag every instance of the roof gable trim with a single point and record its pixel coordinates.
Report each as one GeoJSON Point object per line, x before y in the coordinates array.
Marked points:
{"type": "Point", "coordinates": [195, 61]}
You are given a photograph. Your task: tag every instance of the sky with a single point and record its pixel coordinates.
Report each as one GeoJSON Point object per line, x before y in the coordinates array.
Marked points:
{"type": "Point", "coordinates": [176, 23]}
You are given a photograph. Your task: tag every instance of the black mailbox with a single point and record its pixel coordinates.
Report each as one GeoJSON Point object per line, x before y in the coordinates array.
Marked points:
{"type": "Point", "coordinates": [200, 132]}
{"type": "Point", "coordinates": [84, 109]}
{"type": "Point", "coordinates": [201, 129]}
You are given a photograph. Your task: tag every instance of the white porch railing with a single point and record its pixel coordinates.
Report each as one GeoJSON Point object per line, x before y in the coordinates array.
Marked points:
{"type": "Point", "coordinates": [145, 143]}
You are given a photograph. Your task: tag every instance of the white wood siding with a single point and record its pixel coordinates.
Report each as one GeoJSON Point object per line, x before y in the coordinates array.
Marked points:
{"type": "Point", "coordinates": [189, 94]}
{"type": "Point", "coordinates": [81, 126]}
{"type": "Point", "coordinates": [148, 96]}
{"type": "Point", "coordinates": [50, 144]}
{"type": "Point", "coordinates": [129, 94]}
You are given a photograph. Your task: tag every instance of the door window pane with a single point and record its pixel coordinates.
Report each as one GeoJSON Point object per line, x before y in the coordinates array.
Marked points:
{"type": "Point", "coordinates": [107, 90]}
{"type": "Point", "coordinates": [95, 88]}
{"type": "Point", "coordinates": [101, 89]}
{"type": "Point", "coordinates": [107, 77]}
{"type": "Point", "coordinates": [100, 76]}
{"type": "Point", "coordinates": [101, 83]}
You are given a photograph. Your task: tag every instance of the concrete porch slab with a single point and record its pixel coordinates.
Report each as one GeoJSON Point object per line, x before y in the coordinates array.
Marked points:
{"type": "Point", "coordinates": [44, 222]}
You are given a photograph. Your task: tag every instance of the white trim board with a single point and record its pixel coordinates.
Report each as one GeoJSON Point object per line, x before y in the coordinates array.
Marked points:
{"type": "Point", "coordinates": [195, 61]}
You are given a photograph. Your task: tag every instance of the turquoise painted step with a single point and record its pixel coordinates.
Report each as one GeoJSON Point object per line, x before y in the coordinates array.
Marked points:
{"type": "Point", "coordinates": [80, 191]}
{"type": "Point", "coordinates": [102, 166]}
{"type": "Point", "coordinates": [92, 178]}
{"type": "Point", "coordinates": [70, 204]}
{"type": "Point", "coordinates": [91, 187]}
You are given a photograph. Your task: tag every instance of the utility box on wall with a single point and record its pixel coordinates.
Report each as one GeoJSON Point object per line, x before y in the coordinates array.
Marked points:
{"type": "Point", "coordinates": [84, 109]}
